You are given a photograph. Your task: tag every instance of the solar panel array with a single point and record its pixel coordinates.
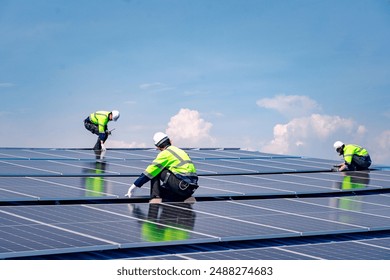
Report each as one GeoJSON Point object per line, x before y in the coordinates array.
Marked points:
{"type": "Point", "coordinates": [63, 203]}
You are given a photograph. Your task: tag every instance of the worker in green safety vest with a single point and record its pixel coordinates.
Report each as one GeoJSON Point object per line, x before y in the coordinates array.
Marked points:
{"type": "Point", "coordinates": [172, 174]}
{"type": "Point", "coordinates": [355, 157]}
{"type": "Point", "coordinates": [97, 122]}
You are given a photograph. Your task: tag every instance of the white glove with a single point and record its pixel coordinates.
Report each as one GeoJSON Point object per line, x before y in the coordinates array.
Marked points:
{"type": "Point", "coordinates": [102, 154]}
{"type": "Point", "coordinates": [103, 147]}
{"type": "Point", "coordinates": [131, 191]}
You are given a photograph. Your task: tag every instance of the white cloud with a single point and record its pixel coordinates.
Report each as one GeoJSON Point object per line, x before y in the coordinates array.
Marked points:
{"type": "Point", "coordinates": [361, 130]}
{"type": "Point", "coordinates": [155, 87]}
{"type": "Point", "coordinates": [147, 86]}
{"type": "Point", "coordinates": [307, 132]}
{"type": "Point", "coordinates": [384, 140]}
{"type": "Point", "coordinates": [381, 154]}
{"type": "Point", "coordinates": [6, 85]}
{"type": "Point", "coordinates": [188, 129]}
{"type": "Point", "coordinates": [130, 102]}
{"type": "Point", "coordinates": [195, 92]}
{"type": "Point", "coordinates": [123, 144]}
{"type": "Point", "coordinates": [290, 105]}
{"type": "Point", "coordinates": [308, 135]}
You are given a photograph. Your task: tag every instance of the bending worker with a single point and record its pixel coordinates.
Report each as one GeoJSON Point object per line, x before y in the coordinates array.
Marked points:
{"type": "Point", "coordinates": [172, 174]}
{"type": "Point", "coordinates": [355, 157]}
{"type": "Point", "coordinates": [97, 122]}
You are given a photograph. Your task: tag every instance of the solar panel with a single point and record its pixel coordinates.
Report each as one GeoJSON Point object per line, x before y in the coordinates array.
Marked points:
{"type": "Point", "coordinates": [142, 153]}
{"type": "Point", "coordinates": [133, 225]}
{"type": "Point", "coordinates": [279, 184]}
{"type": "Point", "coordinates": [73, 162]}
{"type": "Point", "coordinates": [375, 249]}
{"type": "Point", "coordinates": [135, 167]}
{"type": "Point", "coordinates": [99, 187]}
{"type": "Point", "coordinates": [65, 188]}
{"type": "Point", "coordinates": [26, 237]}
{"type": "Point", "coordinates": [49, 205]}
{"type": "Point", "coordinates": [344, 250]}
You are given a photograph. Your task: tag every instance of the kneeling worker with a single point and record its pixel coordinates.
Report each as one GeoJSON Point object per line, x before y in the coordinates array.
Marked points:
{"type": "Point", "coordinates": [172, 174]}
{"type": "Point", "coordinates": [355, 157]}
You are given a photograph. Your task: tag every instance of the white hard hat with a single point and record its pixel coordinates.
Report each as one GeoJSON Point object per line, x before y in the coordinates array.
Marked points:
{"type": "Point", "coordinates": [115, 115]}
{"type": "Point", "coordinates": [159, 137]}
{"type": "Point", "coordinates": [338, 144]}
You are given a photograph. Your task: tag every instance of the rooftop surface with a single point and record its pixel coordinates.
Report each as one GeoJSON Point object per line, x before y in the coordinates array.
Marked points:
{"type": "Point", "coordinates": [70, 204]}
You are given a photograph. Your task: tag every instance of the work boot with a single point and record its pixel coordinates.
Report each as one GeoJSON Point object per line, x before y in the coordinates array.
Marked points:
{"type": "Point", "coordinates": [155, 200]}
{"type": "Point", "coordinates": [190, 200]}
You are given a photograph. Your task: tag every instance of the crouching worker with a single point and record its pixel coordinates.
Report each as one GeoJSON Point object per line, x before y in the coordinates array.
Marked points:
{"type": "Point", "coordinates": [97, 122]}
{"type": "Point", "coordinates": [172, 174]}
{"type": "Point", "coordinates": [355, 157]}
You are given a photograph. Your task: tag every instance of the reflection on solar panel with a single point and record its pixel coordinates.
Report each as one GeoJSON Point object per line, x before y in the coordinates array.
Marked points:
{"type": "Point", "coordinates": [64, 203]}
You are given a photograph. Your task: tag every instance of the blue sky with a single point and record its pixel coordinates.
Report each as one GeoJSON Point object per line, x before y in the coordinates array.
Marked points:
{"type": "Point", "coordinates": [276, 76]}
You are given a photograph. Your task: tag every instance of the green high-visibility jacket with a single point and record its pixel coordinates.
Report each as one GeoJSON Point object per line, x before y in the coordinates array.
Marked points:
{"type": "Point", "coordinates": [100, 118]}
{"type": "Point", "coordinates": [350, 150]}
{"type": "Point", "coordinates": [172, 158]}
{"type": "Point", "coordinates": [175, 160]}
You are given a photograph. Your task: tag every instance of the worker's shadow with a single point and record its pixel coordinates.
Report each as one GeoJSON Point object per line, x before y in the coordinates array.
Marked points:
{"type": "Point", "coordinates": [165, 222]}
{"type": "Point", "coordinates": [354, 180]}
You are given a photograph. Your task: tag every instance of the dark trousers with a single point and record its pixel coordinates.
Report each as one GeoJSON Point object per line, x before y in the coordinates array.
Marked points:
{"type": "Point", "coordinates": [360, 163]}
{"type": "Point", "coordinates": [168, 187]}
{"type": "Point", "coordinates": [94, 129]}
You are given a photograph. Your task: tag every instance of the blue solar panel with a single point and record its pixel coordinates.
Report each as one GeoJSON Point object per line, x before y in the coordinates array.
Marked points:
{"type": "Point", "coordinates": [376, 249]}
{"type": "Point", "coordinates": [136, 225]}
{"type": "Point", "coordinates": [244, 196]}
{"type": "Point", "coordinates": [96, 187]}
{"type": "Point", "coordinates": [58, 162]}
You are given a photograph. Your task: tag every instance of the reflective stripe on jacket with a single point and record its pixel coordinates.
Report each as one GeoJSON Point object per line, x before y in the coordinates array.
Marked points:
{"type": "Point", "coordinates": [175, 160]}
{"type": "Point", "coordinates": [100, 118]}
{"type": "Point", "coordinates": [350, 150]}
